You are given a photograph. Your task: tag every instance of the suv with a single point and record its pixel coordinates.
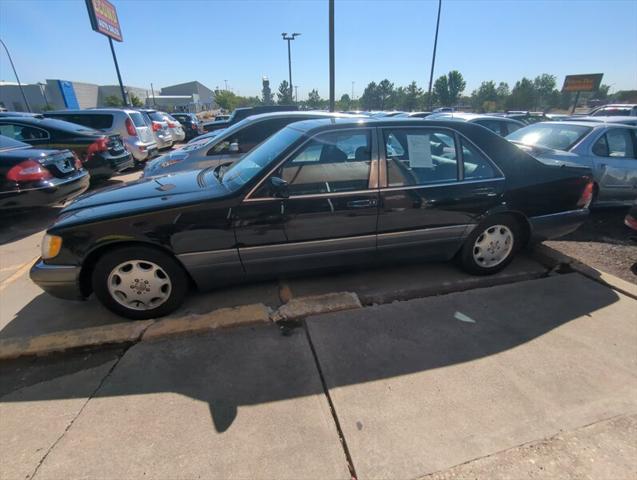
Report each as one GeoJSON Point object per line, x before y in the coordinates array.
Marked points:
{"type": "Point", "coordinates": [240, 113]}
{"type": "Point", "coordinates": [190, 123]}
{"type": "Point", "coordinates": [615, 109]}
{"type": "Point", "coordinates": [156, 121]}
{"type": "Point", "coordinates": [128, 124]}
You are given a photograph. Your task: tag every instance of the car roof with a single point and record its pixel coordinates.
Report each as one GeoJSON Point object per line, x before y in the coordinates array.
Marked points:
{"type": "Point", "coordinates": [91, 111]}
{"type": "Point", "coordinates": [308, 126]}
{"type": "Point", "coordinates": [300, 113]}
{"type": "Point", "coordinates": [466, 116]}
{"type": "Point", "coordinates": [579, 123]}
{"type": "Point", "coordinates": [607, 119]}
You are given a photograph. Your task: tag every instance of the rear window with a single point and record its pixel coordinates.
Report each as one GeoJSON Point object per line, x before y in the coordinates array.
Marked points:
{"type": "Point", "coordinates": [156, 116]}
{"type": "Point", "coordinates": [66, 126]}
{"type": "Point", "coordinates": [138, 119]}
{"type": "Point", "coordinates": [558, 136]}
{"type": "Point", "coordinates": [98, 121]}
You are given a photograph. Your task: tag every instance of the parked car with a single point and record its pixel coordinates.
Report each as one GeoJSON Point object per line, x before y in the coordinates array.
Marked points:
{"type": "Point", "coordinates": [317, 194]}
{"type": "Point", "coordinates": [414, 114]}
{"type": "Point", "coordinates": [6, 113]}
{"type": "Point", "coordinates": [615, 109]}
{"type": "Point", "coordinates": [609, 149]}
{"type": "Point", "coordinates": [190, 123]}
{"type": "Point", "coordinates": [176, 130]}
{"type": "Point", "coordinates": [229, 146]}
{"type": "Point", "coordinates": [101, 154]}
{"type": "Point", "coordinates": [240, 113]}
{"type": "Point", "coordinates": [527, 118]}
{"type": "Point", "coordinates": [31, 177]}
{"type": "Point", "coordinates": [222, 117]}
{"type": "Point", "coordinates": [631, 217]}
{"type": "Point", "coordinates": [500, 125]}
{"type": "Point", "coordinates": [128, 124]}
{"type": "Point", "coordinates": [619, 119]}
{"type": "Point", "coordinates": [159, 126]}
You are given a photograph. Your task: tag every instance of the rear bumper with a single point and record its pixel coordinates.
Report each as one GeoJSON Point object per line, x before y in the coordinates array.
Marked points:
{"type": "Point", "coordinates": [556, 225]}
{"type": "Point", "coordinates": [53, 193]}
{"type": "Point", "coordinates": [62, 281]}
{"type": "Point", "coordinates": [105, 166]}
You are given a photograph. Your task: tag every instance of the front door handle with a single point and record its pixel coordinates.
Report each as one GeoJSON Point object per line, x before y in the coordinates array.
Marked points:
{"type": "Point", "coordinates": [361, 204]}
{"type": "Point", "coordinates": [484, 192]}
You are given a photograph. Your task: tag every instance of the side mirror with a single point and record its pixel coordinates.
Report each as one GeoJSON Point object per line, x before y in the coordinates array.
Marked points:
{"type": "Point", "coordinates": [234, 147]}
{"type": "Point", "coordinates": [279, 188]}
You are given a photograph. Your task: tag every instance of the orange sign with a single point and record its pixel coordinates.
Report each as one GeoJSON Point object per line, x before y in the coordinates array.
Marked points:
{"type": "Point", "coordinates": [104, 18]}
{"type": "Point", "coordinates": [582, 83]}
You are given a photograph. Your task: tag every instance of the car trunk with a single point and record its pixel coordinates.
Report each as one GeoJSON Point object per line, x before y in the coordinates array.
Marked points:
{"type": "Point", "coordinates": [61, 165]}
{"type": "Point", "coordinates": [115, 145]}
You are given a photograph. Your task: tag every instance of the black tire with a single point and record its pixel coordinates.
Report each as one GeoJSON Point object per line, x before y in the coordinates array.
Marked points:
{"type": "Point", "coordinates": [466, 254]}
{"type": "Point", "coordinates": [169, 266]}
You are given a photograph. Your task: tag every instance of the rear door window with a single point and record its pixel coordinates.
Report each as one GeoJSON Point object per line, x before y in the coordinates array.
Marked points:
{"type": "Point", "coordinates": [619, 143]}
{"type": "Point", "coordinates": [476, 166]}
{"type": "Point", "coordinates": [138, 119]}
{"type": "Point", "coordinates": [420, 156]}
{"type": "Point", "coordinates": [23, 132]}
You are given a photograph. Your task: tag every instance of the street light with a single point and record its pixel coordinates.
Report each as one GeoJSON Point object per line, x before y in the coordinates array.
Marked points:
{"type": "Point", "coordinates": [433, 58]}
{"type": "Point", "coordinates": [289, 38]}
{"type": "Point", "coordinates": [24, 97]}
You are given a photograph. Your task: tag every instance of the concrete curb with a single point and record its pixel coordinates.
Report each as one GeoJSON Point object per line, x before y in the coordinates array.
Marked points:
{"type": "Point", "coordinates": [302, 307]}
{"type": "Point", "coordinates": [118, 333]}
{"type": "Point", "coordinates": [553, 259]}
{"type": "Point", "coordinates": [444, 288]}
{"type": "Point", "coordinates": [222, 318]}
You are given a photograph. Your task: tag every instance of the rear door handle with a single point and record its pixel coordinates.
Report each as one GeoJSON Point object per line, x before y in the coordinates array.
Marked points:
{"type": "Point", "coordinates": [361, 204]}
{"type": "Point", "coordinates": [484, 192]}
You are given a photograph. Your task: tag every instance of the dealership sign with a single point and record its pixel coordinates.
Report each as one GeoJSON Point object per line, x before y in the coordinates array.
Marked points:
{"type": "Point", "coordinates": [104, 18]}
{"type": "Point", "coordinates": [582, 83]}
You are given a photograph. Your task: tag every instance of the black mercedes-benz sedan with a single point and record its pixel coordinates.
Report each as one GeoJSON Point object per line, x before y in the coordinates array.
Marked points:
{"type": "Point", "coordinates": [317, 194]}
{"type": "Point", "coordinates": [32, 177]}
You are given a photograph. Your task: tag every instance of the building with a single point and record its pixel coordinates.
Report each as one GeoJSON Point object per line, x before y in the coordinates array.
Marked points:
{"type": "Point", "coordinates": [205, 98]}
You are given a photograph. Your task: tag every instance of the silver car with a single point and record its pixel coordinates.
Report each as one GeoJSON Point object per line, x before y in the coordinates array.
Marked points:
{"type": "Point", "coordinates": [500, 125]}
{"type": "Point", "coordinates": [138, 137]}
{"type": "Point", "coordinates": [232, 144]}
{"type": "Point", "coordinates": [608, 149]}
{"type": "Point", "coordinates": [176, 130]}
{"type": "Point", "coordinates": [156, 121]}
{"type": "Point", "coordinates": [619, 119]}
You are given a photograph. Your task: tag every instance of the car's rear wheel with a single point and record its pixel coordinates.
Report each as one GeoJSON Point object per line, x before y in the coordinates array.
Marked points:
{"type": "Point", "coordinates": [491, 245]}
{"type": "Point", "coordinates": [139, 282]}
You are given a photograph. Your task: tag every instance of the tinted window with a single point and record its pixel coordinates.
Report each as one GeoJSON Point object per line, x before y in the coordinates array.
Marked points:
{"type": "Point", "coordinates": [250, 136]}
{"type": "Point", "coordinates": [511, 127]}
{"type": "Point", "coordinates": [493, 125]}
{"type": "Point", "coordinates": [331, 162]}
{"type": "Point", "coordinates": [23, 132]}
{"type": "Point", "coordinates": [615, 143]}
{"type": "Point", "coordinates": [419, 157]}
{"type": "Point", "coordinates": [96, 121]}
{"type": "Point", "coordinates": [138, 119]}
{"type": "Point", "coordinates": [559, 136]}
{"type": "Point", "coordinates": [67, 126]}
{"type": "Point", "coordinates": [476, 166]}
{"type": "Point", "coordinates": [156, 116]}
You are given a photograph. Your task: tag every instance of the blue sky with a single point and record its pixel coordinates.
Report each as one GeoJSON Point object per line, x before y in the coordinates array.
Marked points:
{"type": "Point", "coordinates": [174, 41]}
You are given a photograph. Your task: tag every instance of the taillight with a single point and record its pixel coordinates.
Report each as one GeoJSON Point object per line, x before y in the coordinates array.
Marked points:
{"type": "Point", "coordinates": [28, 171]}
{"type": "Point", "coordinates": [99, 145]}
{"type": "Point", "coordinates": [78, 162]}
{"type": "Point", "coordinates": [130, 128]}
{"type": "Point", "coordinates": [171, 125]}
{"type": "Point", "coordinates": [587, 195]}
{"type": "Point", "coordinates": [156, 127]}
{"type": "Point", "coordinates": [631, 221]}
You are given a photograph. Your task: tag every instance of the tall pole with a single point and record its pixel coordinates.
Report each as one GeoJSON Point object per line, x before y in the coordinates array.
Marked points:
{"type": "Point", "coordinates": [119, 76]}
{"type": "Point", "coordinates": [296, 93]}
{"type": "Point", "coordinates": [289, 39]}
{"type": "Point", "coordinates": [433, 58]}
{"type": "Point", "coordinates": [24, 97]}
{"type": "Point", "coordinates": [152, 89]}
{"type": "Point", "coordinates": [353, 90]}
{"type": "Point", "coordinates": [226, 82]}
{"type": "Point", "coordinates": [331, 20]}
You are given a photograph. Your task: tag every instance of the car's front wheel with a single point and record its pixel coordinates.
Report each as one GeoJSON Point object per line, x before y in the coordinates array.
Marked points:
{"type": "Point", "coordinates": [491, 245]}
{"type": "Point", "coordinates": [139, 282]}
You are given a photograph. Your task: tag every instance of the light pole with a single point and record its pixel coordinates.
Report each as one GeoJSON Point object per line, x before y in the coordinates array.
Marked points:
{"type": "Point", "coordinates": [226, 82]}
{"type": "Point", "coordinates": [43, 89]}
{"type": "Point", "coordinates": [331, 35]}
{"type": "Point", "coordinates": [24, 97]}
{"type": "Point", "coordinates": [353, 90]}
{"type": "Point", "coordinates": [290, 38]}
{"type": "Point", "coordinates": [433, 59]}
{"type": "Point", "coordinates": [296, 93]}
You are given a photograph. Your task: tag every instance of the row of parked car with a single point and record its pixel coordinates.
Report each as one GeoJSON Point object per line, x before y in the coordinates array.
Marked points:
{"type": "Point", "coordinates": [49, 158]}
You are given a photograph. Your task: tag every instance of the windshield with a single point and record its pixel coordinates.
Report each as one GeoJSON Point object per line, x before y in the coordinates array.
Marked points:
{"type": "Point", "coordinates": [249, 166]}
{"type": "Point", "coordinates": [7, 143]}
{"type": "Point", "coordinates": [551, 135]}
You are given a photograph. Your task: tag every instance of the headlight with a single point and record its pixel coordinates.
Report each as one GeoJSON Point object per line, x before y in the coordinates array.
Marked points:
{"type": "Point", "coordinates": [51, 245]}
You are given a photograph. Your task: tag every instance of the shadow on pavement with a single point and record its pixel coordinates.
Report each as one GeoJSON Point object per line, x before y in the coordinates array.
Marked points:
{"type": "Point", "coordinates": [249, 366]}
{"type": "Point", "coordinates": [15, 226]}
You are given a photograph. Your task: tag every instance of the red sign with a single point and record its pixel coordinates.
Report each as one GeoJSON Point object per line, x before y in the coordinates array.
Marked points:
{"type": "Point", "coordinates": [104, 18]}
{"type": "Point", "coordinates": [582, 83]}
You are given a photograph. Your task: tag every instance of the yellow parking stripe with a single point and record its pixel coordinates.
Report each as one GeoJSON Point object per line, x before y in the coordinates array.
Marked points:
{"type": "Point", "coordinates": [21, 271]}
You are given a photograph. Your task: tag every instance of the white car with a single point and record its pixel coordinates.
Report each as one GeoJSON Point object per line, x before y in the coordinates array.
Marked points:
{"type": "Point", "coordinates": [176, 130]}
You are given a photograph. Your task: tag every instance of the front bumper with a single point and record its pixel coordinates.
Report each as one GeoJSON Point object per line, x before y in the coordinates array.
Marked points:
{"type": "Point", "coordinates": [62, 281]}
{"type": "Point", "coordinates": [546, 227]}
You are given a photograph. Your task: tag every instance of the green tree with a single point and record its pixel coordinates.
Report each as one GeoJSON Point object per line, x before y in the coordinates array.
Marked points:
{"type": "Point", "coordinates": [345, 103]}
{"type": "Point", "coordinates": [602, 92]}
{"type": "Point", "coordinates": [441, 91]}
{"type": "Point", "coordinates": [522, 96]}
{"type": "Point", "coordinates": [485, 97]}
{"type": "Point", "coordinates": [284, 95]}
{"type": "Point", "coordinates": [314, 100]}
{"type": "Point", "coordinates": [113, 101]}
{"type": "Point", "coordinates": [135, 101]}
{"type": "Point", "coordinates": [503, 93]}
{"type": "Point", "coordinates": [456, 85]}
{"type": "Point", "coordinates": [226, 100]}
{"type": "Point", "coordinates": [370, 100]}
{"type": "Point", "coordinates": [410, 97]}
{"type": "Point", "coordinates": [266, 92]}
{"type": "Point", "coordinates": [385, 94]}
{"type": "Point", "coordinates": [544, 85]}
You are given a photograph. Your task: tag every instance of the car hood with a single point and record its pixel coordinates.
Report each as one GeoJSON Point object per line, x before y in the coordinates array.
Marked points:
{"type": "Point", "coordinates": [144, 195]}
{"type": "Point", "coordinates": [158, 165]}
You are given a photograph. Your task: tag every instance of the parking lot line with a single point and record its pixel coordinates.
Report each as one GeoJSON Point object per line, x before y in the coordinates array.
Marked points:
{"type": "Point", "coordinates": [22, 269]}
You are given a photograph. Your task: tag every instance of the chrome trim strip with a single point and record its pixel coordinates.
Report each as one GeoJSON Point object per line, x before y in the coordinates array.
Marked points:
{"type": "Point", "coordinates": [404, 233]}
{"type": "Point", "coordinates": [315, 195]}
{"type": "Point", "coordinates": [443, 184]}
{"type": "Point", "coordinates": [579, 211]}
{"type": "Point", "coordinates": [278, 246]}
{"type": "Point", "coordinates": [225, 251]}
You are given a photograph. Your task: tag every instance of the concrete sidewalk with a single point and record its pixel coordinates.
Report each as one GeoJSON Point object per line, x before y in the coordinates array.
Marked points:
{"type": "Point", "coordinates": [400, 390]}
